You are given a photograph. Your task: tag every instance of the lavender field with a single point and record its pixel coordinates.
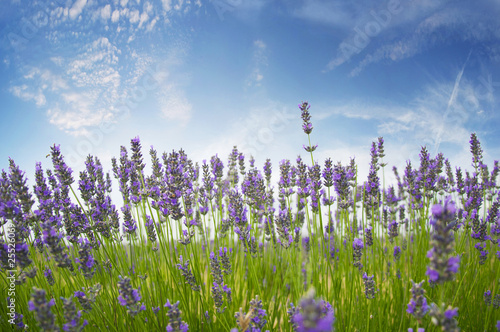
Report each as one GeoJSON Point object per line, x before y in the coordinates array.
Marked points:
{"type": "Point", "coordinates": [220, 246]}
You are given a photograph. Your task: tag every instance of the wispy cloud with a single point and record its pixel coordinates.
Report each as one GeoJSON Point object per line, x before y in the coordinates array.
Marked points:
{"type": "Point", "coordinates": [261, 131]}
{"type": "Point", "coordinates": [25, 93]}
{"type": "Point", "coordinates": [175, 106]}
{"type": "Point", "coordinates": [334, 13]}
{"type": "Point", "coordinates": [259, 61]}
{"type": "Point", "coordinates": [77, 8]}
{"type": "Point", "coordinates": [439, 114]}
{"type": "Point", "coordinates": [80, 112]}
{"type": "Point", "coordinates": [167, 5]}
{"type": "Point", "coordinates": [105, 12]}
{"type": "Point", "coordinates": [442, 25]}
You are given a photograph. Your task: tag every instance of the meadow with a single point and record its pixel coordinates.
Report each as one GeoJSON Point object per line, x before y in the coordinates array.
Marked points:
{"type": "Point", "coordinates": [218, 246]}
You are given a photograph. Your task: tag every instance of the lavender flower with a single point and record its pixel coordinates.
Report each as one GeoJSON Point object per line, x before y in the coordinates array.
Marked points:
{"type": "Point", "coordinates": [135, 147]}
{"type": "Point", "coordinates": [372, 186]}
{"type": "Point", "coordinates": [218, 297]}
{"type": "Point", "coordinates": [48, 275]}
{"type": "Point", "coordinates": [20, 193]}
{"type": "Point", "coordinates": [87, 301]}
{"type": "Point", "coordinates": [306, 117]}
{"type": "Point", "coordinates": [483, 254]}
{"type": "Point", "coordinates": [418, 303]}
{"type": "Point", "coordinates": [393, 230]}
{"type": "Point", "coordinates": [175, 322]}
{"type": "Point", "coordinates": [129, 224]}
{"type": "Point", "coordinates": [86, 260]}
{"type": "Point", "coordinates": [311, 315]}
{"type": "Point", "coordinates": [95, 192]}
{"type": "Point", "coordinates": [369, 286]}
{"type": "Point", "coordinates": [475, 149]}
{"type": "Point", "coordinates": [496, 301]}
{"type": "Point", "coordinates": [188, 275]}
{"type": "Point", "coordinates": [441, 267]}
{"type": "Point", "coordinates": [487, 297]}
{"type": "Point", "coordinates": [268, 171]}
{"type": "Point", "coordinates": [72, 317]}
{"type": "Point", "coordinates": [53, 240]}
{"type": "Point", "coordinates": [63, 172]}
{"type": "Point", "coordinates": [150, 229]}
{"type": "Point", "coordinates": [342, 180]}
{"type": "Point", "coordinates": [122, 172]}
{"type": "Point", "coordinates": [397, 253]}
{"type": "Point", "coordinates": [357, 246]}
{"type": "Point", "coordinates": [43, 314]}
{"type": "Point", "coordinates": [369, 236]}
{"type": "Point", "coordinates": [22, 255]}
{"type": "Point", "coordinates": [254, 320]}
{"type": "Point", "coordinates": [129, 297]}
{"type": "Point", "coordinates": [18, 321]}
{"type": "Point", "coordinates": [225, 263]}
{"type": "Point", "coordinates": [232, 172]}
{"type": "Point", "coordinates": [215, 269]}
{"type": "Point", "coordinates": [444, 317]}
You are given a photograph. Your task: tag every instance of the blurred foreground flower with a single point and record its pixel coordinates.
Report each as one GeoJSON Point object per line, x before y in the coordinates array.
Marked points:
{"type": "Point", "coordinates": [312, 315]}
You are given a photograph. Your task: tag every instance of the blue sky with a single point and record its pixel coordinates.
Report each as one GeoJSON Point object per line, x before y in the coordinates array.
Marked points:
{"type": "Point", "coordinates": [206, 75]}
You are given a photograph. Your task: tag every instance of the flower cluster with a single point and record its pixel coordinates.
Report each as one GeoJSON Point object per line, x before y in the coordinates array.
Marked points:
{"type": "Point", "coordinates": [311, 314]}
{"type": "Point", "coordinates": [442, 267]}
{"type": "Point", "coordinates": [306, 117]}
{"type": "Point", "coordinates": [87, 300]}
{"type": "Point", "coordinates": [357, 246]}
{"type": "Point", "coordinates": [444, 317]}
{"type": "Point", "coordinates": [369, 286]}
{"type": "Point", "coordinates": [254, 320]}
{"type": "Point", "coordinates": [129, 297]}
{"type": "Point", "coordinates": [418, 303]}
{"type": "Point", "coordinates": [44, 316]}
{"type": "Point", "coordinates": [219, 265]}
{"type": "Point", "coordinates": [188, 275]}
{"type": "Point", "coordinates": [72, 317]}
{"type": "Point", "coordinates": [175, 322]}
{"type": "Point", "coordinates": [86, 260]}
{"type": "Point", "coordinates": [49, 276]}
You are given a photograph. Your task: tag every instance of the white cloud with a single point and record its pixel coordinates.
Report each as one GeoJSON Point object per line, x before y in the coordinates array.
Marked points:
{"type": "Point", "coordinates": [263, 131]}
{"type": "Point", "coordinates": [259, 44]}
{"type": "Point", "coordinates": [58, 60]}
{"type": "Point", "coordinates": [419, 27]}
{"type": "Point", "coordinates": [77, 120]}
{"type": "Point", "coordinates": [123, 3]}
{"type": "Point", "coordinates": [115, 16]}
{"type": "Point", "coordinates": [134, 16]}
{"type": "Point", "coordinates": [167, 5]}
{"type": "Point", "coordinates": [259, 59]}
{"type": "Point", "coordinates": [143, 19]}
{"type": "Point", "coordinates": [179, 4]}
{"type": "Point", "coordinates": [95, 67]}
{"type": "Point", "coordinates": [23, 92]}
{"type": "Point", "coordinates": [77, 8]}
{"type": "Point", "coordinates": [148, 7]}
{"type": "Point", "coordinates": [56, 82]}
{"type": "Point", "coordinates": [152, 24]}
{"type": "Point", "coordinates": [438, 117]}
{"type": "Point", "coordinates": [328, 12]}
{"type": "Point", "coordinates": [175, 106]}
{"type": "Point", "coordinates": [106, 12]}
